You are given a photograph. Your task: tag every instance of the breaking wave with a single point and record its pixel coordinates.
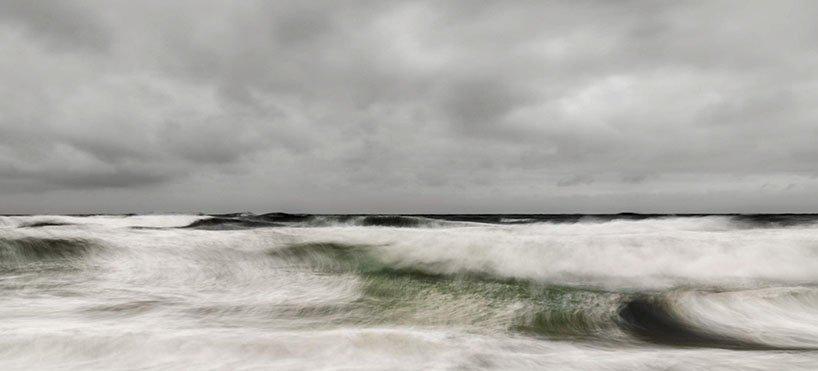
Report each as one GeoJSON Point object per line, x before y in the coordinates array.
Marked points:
{"type": "Point", "coordinates": [30, 249]}
{"type": "Point", "coordinates": [776, 318]}
{"type": "Point", "coordinates": [413, 295]}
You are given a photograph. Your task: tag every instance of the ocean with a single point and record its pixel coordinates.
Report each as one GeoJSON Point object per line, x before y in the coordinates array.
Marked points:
{"type": "Point", "coordinates": [409, 292]}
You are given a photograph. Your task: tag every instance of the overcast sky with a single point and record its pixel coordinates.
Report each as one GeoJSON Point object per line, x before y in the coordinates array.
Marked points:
{"type": "Point", "coordinates": [422, 106]}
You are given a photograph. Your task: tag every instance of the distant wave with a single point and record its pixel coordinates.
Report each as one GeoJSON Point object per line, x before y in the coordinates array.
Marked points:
{"type": "Point", "coordinates": [44, 223]}
{"type": "Point", "coordinates": [220, 223]}
{"type": "Point", "coordinates": [245, 221]}
{"type": "Point", "coordinates": [249, 220]}
{"type": "Point", "coordinates": [116, 221]}
{"type": "Point", "coordinates": [774, 220]}
{"type": "Point", "coordinates": [397, 221]}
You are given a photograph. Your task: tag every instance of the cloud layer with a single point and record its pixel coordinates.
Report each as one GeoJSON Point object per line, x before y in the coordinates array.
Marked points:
{"type": "Point", "coordinates": [423, 106]}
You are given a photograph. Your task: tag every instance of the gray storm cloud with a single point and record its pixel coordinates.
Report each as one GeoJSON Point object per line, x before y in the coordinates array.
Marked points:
{"type": "Point", "coordinates": [422, 106]}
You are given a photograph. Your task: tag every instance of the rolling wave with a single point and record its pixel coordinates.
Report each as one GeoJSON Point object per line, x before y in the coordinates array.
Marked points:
{"type": "Point", "coordinates": [772, 318]}
{"type": "Point", "coordinates": [413, 295]}
{"type": "Point", "coordinates": [655, 320]}
{"type": "Point", "coordinates": [37, 249]}
{"type": "Point", "coordinates": [780, 319]}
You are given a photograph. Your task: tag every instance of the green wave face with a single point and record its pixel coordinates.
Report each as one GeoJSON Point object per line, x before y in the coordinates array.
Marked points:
{"type": "Point", "coordinates": [43, 253]}
{"type": "Point", "coordinates": [413, 295]}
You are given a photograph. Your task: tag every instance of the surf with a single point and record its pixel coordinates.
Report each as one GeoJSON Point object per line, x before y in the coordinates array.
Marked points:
{"type": "Point", "coordinates": [638, 291]}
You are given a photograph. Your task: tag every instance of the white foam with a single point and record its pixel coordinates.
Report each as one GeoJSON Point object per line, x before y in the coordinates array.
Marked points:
{"type": "Point", "coordinates": [110, 347]}
{"type": "Point", "coordinates": [648, 254]}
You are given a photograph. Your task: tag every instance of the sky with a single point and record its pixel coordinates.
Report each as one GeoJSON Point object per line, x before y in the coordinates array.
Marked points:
{"type": "Point", "coordinates": [408, 106]}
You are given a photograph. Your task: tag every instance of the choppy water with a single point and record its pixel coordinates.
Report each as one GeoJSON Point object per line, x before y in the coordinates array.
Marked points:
{"type": "Point", "coordinates": [280, 291]}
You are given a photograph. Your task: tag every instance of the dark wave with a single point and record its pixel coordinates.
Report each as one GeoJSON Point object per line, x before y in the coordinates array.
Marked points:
{"type": "Point", "coordinates": [24, 250]}
{"type": "Point", "coordinates": [229, 215]}
{"type": "Point", "coordinates": [432, 220]}
{"type": "Point", "coordinates": [242, 221]}
{"type": "Point", "coordinates": [393, 221]}
{"type": "Point", "coordinates": [423, 220]}
{"type": "Point", "coordinates": [653, 319]}
{"type": "Point", "coordinates": [43, 224]}
{"type": "Point", "coordinates": [397, 221]}
{"type": "Point", "coordinates": [775, 220]}
{"type": "Point", "coordinates": [229, 223]}
{"type": "Point", "coordinates": [284, 217]}
{"type": "Point", "coordinates": [248, 221]}
{"type": "Point", "coordinates": [752, 220]}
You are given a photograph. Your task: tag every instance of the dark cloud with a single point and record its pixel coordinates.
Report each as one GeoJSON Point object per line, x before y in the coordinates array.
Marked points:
{"type": "Point", "coordinates": [409, 106]}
